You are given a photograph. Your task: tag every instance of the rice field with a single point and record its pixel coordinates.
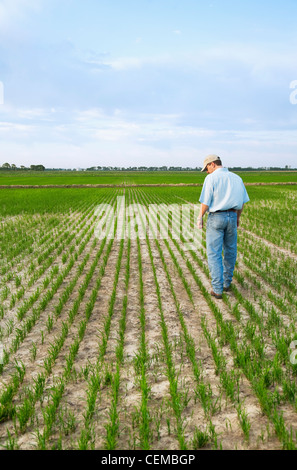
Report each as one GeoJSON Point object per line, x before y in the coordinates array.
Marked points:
{"type": "Point", "coordinates": [133, 177]}
{"type": "Point", "coordinates": [110, 340]}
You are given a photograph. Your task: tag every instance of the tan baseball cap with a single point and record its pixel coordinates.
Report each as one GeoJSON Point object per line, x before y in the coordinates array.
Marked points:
{"type": "Point", "coordinates": [209, 159]}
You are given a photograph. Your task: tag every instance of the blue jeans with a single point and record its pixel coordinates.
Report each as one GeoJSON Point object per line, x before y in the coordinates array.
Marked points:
{"type": "Point", "coordinates": [221, 235]}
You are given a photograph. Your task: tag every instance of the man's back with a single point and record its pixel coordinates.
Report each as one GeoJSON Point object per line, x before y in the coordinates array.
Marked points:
{"type": "Point", "coordinates": [223, 190]}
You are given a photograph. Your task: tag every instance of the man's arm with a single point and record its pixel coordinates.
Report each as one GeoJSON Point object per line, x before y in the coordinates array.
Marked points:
{"type": "Point", "coordinates": [203, 209]}
{"type": "Point", "coordinates": [206, 196]}
{"type": "Point", "coordinates": [239, 214]}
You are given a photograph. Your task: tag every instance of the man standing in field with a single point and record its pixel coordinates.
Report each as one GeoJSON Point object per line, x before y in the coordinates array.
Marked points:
{"type": "Point", "coordinates": [223, 196]}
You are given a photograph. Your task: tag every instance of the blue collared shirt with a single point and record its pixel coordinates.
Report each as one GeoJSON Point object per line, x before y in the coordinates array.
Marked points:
{"type": "Point", "coordinates": [223, 190]}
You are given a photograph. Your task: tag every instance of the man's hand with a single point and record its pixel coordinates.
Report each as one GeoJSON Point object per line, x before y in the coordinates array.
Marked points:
{"type": "Point", "coordinates": [239, 214]}
{"type": "Point", "coordinates": [202, 211]}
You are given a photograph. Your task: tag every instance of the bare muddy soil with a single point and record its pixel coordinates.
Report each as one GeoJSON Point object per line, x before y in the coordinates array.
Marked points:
{"type": "Point", "coordinates": [176, 324]}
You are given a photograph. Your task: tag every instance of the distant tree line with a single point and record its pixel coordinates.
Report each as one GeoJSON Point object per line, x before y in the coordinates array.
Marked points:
{"type": "Point", "coordinates": [262, 168]}
{"type": "Point", "coordinates": [141, 168]}
{"type": "Point", "coordinates": [8, 166]}
{"type": "Point", "coordinates": [177, 168]}
{"type": "Point", "coordinates": [173, 168]}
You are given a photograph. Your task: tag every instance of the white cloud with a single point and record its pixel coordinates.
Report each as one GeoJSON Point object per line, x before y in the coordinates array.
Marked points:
{"type": "Point", "coordinates": [262, 63]}
{"type": "Point", "coordinates": [16, 130]}
{"type": "Point", "coordinates": [36, 113]}
{"type": "Point", "coordinates": [132, 62]}
{"type": "Point", "coordinates": [124, 63]}
{"type": "Point", "coordinates": [130, 146]}
{"type": "Point", "coordinates": [256, 58]}
{"type": "Point", "coordinates": [88, 115]}
{"type": "Point", "coordinates": [93, 137]}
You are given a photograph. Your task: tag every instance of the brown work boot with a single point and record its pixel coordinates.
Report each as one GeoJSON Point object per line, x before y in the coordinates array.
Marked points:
{"type": "Point", "coordinates": [227, 289]}
{"type": "Point", "coordinates": [217, 296]}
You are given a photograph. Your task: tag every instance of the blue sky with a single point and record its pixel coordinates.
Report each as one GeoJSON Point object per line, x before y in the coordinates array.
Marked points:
{"type": "Point", "coordinates": [147, 82]}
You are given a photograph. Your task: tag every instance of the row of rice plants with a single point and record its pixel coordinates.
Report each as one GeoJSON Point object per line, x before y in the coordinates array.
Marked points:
{"type": "Point", "coordinates": [277, 269]}
{"type": "Point", "coordinates": [95, 381]}
{"type": "Point", "coordinates": [57, 243]}
{"type": "Point", "coordinates": [55, 285]}
{"type": "Point", "coordinates": [25, 411]}
{"type": "Point", "coordinates": [141, 358]}
{"type": "Point", "coordinates": [31, 229]}
{"type": "Point", "coordinates": [274, 333]}
{"type": "Point", "coordinates": [28, 303]}
{"type": "Point", "coordinates": [276, 415]}
{"type": "Point", "coordinates": [265, 372]}
{"type": "Point", "coordinates": [112, 427]}
{"type": "Point", "coordinates": [19, 234]}
{"type": "Point", "coordinates": [228, 380]}
{"type": "Point", "coordinates": [271, 215]}
{"type": "Point", "coordinates": [40, 406]}
{"type": "Point", "coordinates": [87, 232]}
{"type": "Point", "coordinates": [202, 391]}
{"type": "Point", "coordinates": [272, 316]}
{"type": "Point", "coordinates": [49, 412]}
